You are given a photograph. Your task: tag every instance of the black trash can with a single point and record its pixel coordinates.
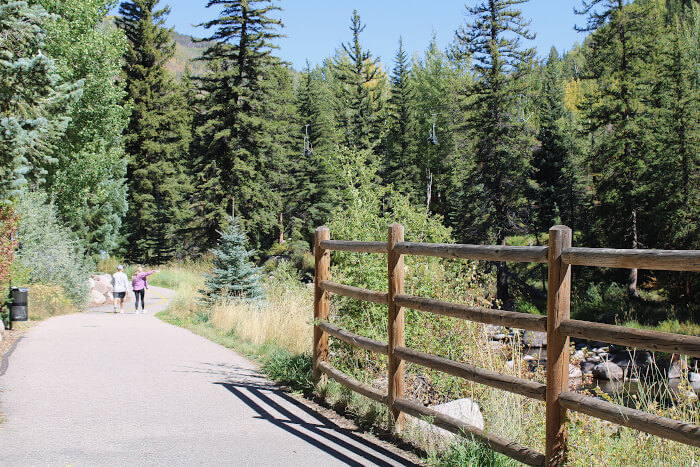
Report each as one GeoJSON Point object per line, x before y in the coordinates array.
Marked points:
{"type": "Point", "coordinates": [20, 301]}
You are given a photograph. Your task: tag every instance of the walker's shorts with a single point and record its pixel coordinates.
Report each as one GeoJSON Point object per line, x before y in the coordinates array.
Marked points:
{"type": "Point", "coordinates": [119, 294]}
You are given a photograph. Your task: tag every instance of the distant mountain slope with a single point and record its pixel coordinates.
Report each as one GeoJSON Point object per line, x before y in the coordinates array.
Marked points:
{"type": "Point", "coordinates": [187, 51]}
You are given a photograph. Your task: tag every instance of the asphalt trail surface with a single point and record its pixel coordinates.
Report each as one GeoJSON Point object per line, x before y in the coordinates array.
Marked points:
{"type": "Point", "coordinates": [107, 389]}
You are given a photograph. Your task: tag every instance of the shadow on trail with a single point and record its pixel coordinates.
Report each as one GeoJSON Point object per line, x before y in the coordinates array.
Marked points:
{"type": "Point", "coordinates": [257, 397]}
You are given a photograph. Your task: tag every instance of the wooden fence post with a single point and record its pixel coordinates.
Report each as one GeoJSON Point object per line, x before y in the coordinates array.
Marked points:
{"type": "Point", "coordinates": [396, 324]}
{"type": "Point", "coordinates": [321, 299]}
{"type": "Point", "coordinates": [558, 308]}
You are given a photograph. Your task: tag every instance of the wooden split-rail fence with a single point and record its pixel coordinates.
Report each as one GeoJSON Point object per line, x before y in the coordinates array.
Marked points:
{"type": "Point", "coordinates": [560, 257]}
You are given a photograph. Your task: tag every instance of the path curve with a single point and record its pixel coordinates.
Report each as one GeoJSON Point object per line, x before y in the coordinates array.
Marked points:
{"type": "Point", "coordinates": [100, 388]}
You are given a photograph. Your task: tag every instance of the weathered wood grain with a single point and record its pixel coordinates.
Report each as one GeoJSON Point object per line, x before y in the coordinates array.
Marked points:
{"type": "Point", "coordinates": [630, 337]}
{"type": "Point", "coordinates": [558, 309]}
{"type": "Point", "coordinates": [395, 323]}
{"type": "Point", "coordinates": [355, 339]}
{"type": "Point", "coordinates": [355, 247]}
{"type": "Point", "coordinates": [354, 292]}
{"type": "Point", "coordinates": [522, 254]}
{"type": "Point", "coordinates": [472, 313]}
{"type": "Point", "coordinates": [666, 260]}
{"type": "Point", "coordinates": [322, 304]}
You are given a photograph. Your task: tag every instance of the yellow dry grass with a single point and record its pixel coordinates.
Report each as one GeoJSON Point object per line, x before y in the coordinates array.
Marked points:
{"type": "Point", "coordinates": [283, 318]}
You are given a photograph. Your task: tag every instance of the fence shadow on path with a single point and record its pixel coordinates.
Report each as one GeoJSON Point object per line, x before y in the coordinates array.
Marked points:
{"type": "Point", "coordinates": [321, 433]}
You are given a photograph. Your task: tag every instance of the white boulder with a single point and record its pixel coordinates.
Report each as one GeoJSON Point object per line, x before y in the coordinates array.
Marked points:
{"type": "Point", "coordinates": [433, 438]}
{"type": "Point", "coordinates": [97, 298]}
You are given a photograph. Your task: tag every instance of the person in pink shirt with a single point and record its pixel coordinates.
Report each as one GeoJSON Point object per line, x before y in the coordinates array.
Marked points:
{"type": "Point", "coordinates": [139, 284]}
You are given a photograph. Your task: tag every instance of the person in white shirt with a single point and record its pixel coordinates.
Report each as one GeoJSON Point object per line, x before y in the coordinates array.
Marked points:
{"type": "Point", "coordinates": [119, 285]}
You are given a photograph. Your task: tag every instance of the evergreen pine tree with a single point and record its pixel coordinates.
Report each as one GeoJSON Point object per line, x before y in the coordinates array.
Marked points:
{"type": "Point", "coordinates": [33, 100]}
{"type": "Point", "coordinates": [233, 274]}
{"type": "Point", "coordinates": [316, 190]}
{"type": "Point", "coordinates": [677, 167]}
{"type": "Point", "coordinates": [621, 58]}
{"type": "Point", "coordinates": [551, 158]}
{"type": "Point", "coordinates": [157, 137]}
{"type": "Point", "coordinates": [493, 202]}
{"type": "Point", "coordinates": [233, 132]}
{"type": "Point", "coordinates": [399, 168]}
{"type": "Point", "coordinates": [359, 98]}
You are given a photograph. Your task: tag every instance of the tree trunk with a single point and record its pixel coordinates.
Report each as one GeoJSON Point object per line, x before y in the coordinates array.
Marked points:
{"type": "Point", "coordinates": [502, 281]}
{"type": "Point", "coordinates": [632, 280]}
{"type": "Point", "coordinates": [281, 237]}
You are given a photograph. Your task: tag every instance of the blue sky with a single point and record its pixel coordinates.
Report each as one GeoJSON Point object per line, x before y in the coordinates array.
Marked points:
{"type": "Point", "coordinates": [316, 28]}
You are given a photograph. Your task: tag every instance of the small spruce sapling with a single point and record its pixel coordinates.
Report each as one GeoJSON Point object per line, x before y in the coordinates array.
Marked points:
{"type": "Point", "coordinates": [233, 274]}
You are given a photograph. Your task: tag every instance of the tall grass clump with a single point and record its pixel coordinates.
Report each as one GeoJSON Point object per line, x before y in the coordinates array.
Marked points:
{"type": "Point", "coordinates": [284, 318]}
{"type": "Point", "coordinates": [49, 254]}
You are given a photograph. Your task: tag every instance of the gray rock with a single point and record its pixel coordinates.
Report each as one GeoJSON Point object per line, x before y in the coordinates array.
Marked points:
{"type": "Point", "coordinates": [693, 377]}
{"type": "Point", "coordinates": [634, 363]}
{"type": "Point", "coordinates": [575, 371]}
{"type": "Point", "coordinates": [91, 283]}
{"type": "Point", "coordinates": [500, 337]}
{"type": "Point", "coordinates": [432, 437]}
{"type": "Point", "coordinates": [529, 358]}
{"type": "Point", "coordinates": [491, 330]}
{"type": "Point", "coordinates": [609, 371]}
{"type": "Point", "coordinates": [587, 368]}
{"type": "Point", "coordinates": [594, 359]}
{"type": "Point", "coordinates": [535, 339]}
{"type": "Point", "coordinates": [578, 355]}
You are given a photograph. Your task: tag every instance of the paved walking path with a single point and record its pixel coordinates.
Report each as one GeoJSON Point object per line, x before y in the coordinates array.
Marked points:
{"type": "Point", "coordinates": [108, 389]}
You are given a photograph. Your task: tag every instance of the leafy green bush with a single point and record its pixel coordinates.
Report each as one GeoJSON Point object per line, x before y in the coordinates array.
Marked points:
{"type": "Point", "coordinates": [48, 253]}
{"type": "Point", "coordinates": [293, 370]}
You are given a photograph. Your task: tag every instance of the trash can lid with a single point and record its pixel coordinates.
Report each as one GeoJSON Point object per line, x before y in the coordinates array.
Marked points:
{"type": "Point", "coordinates": [21, 289]}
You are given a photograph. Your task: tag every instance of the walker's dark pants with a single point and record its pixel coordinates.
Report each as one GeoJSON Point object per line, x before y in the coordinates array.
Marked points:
{"type": "Point", "coordinates": [140, 293]}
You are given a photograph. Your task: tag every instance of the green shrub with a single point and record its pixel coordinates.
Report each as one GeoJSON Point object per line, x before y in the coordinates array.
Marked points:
{"type": "Point", "coordinates": [48, 252]}
{"type": "Point", "coordinates": [470, 453]}
{"type": "Point", "coordinates": [293, 370]}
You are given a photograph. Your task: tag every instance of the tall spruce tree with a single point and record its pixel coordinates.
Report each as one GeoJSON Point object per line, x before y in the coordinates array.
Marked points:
{"type": "Point", "coordinates": [621, 58]}
{"type": "Point", "coordinates": [316, 191]}
{"type": "Point", "coordinates": [233, 131]}
{"type": "Point", "coordinates": [360, 94]}
{"type": "Point", "coordinates": [550, 160]}
{"type": "Point", "coordinates": [493, 201]}
{"type": "Point", "coordinates": [233, 274]}
{"type": "Point", "coordinates": [157, 137]}
{"type": "Point", "coordinates": [677, 166]}
{"type": "Point", "coordinates": [399, 168]}
{"type": "Point", "coordinates": [33, 99]}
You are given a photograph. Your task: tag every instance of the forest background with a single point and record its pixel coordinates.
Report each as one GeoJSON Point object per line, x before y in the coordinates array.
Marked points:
{"type": "Point", "coordinates": [119, 143]}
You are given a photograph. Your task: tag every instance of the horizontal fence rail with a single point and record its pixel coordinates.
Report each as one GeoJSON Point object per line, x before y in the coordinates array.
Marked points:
{"type": "Point", "coordinates": [560, 256]}
{"type": "Point", "coordinates": [522, 254]}
{"type": "Point", "coordinates": [355, 339]}
{"type": "Point", "coordinates": [649, 423]}
{"type": "Point", "coordinates": [630, 337]}
{"type": "Point", "coordinates": [508, 383]}
{"type": "Point", "coordinates": [663, 260]}
{"type": "Point", "coordinates": [353, 384]}
{"type": "Point", "coordinates": [472, 313]}
{"type": "Point", "coordinates": [355, 292]}
{"type": "Point", "coordinates": [354, 247]}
